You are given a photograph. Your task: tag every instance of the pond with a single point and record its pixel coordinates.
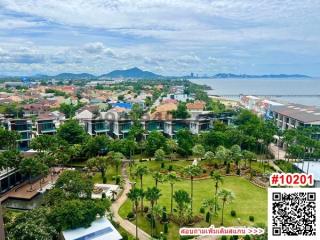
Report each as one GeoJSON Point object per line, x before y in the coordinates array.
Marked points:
{"type": "Point", "coordinates": [21, 204]}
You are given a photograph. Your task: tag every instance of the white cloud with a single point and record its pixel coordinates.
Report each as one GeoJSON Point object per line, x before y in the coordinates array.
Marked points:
{"type": "Point", "coordinates": [165, 35]}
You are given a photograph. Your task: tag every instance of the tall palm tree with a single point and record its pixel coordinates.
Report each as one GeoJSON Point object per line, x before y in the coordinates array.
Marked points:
{"type": "Point", "coordinates": [217, 178]}
{"type": "Point", "coordinates": [135, 195]}
{"type": "Point", "coordinates": [192, 171]}
{"type": "Point", "coordinates": [152, 195]}
{"type": "Point", "coordinates": [211, 204]}
{"type": "Point", "coordinates": [141, 171]}
{"type": "Point", "coordinates": [226, 197]}
{"type": "Point", "coordinates": [172, 178]}
{"type": "Point", "coordinates": [158, 177]}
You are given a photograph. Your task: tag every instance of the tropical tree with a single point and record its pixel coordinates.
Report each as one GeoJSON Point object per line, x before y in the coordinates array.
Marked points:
{"type": "Point", "coordinates": [74, 184]}
{"type": "Point", "coordinates": [172, 147]}
{"type": "Point", "coordinates": [182, 200]}
{"type": "Point", "coordinates": [31, 224]}
{"type": "Point", "coordinates": [159, 155]}
{"type": "Point", "coordinates": [135, 195]}
{"type": "Point", "coordinates": [211, 204]}
{"type": "Point", "coordinates": [32, 167]}
{"type": "Point", "coordinates": [101, 164]}
{"type": "Point", "coordinates": [141, 171]}
{"type": "Point", "coordinates": [116, 159]}
{"type": "Point", "coordinates": [172, 178]}
{"type": "Point", "coordinates": [158, 177]}
{"type": "Point", "coordinates": [198, 151]}
{"type": "Point", "coordinates": [95, 146]}
{"type": "Point", "coordinates": [249, 156]}
{"type": "Point", "coordinates": [155, 141]}
{"type": "Point", "coordinates": [8, 139]}
{"type": "Point", "coordinates": [44, 143]}
{"type": "Point", "coordinates": [185, 141]}
{"type": "Point", "coordinates": [209, 156]}
{"type": "Point", "coordinates": [72, 132]}
{"type": "Point", "coordinates": [218, 179]}
{"type": "Point", "coordinates": [235, 154]}
{"type": "Point", "coordinates": [192, 171]}
{"type": "Point", "coordinates": [226, 197]}
{"type": "Point", "coordinates": [222, 154]}
{"type": "Point", "coordinates": [152, 195]}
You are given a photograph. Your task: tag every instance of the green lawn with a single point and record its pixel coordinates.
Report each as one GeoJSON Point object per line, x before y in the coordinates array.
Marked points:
{"type": "Point", "coordinates": [249, 199]}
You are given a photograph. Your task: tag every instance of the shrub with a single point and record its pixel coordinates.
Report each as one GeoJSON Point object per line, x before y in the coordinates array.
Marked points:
{"type": "Point", "coordinates": [145, 209]}
{"type": "Point", "coordinates": [162, 165]}
{"type": "Point", "coordinates": [103, 195]}
{"type": "Point", "coordinates": [247, 237]}
{"type": "Point", "coordinates": [170, 168]}
{"type": "Point", "coordinates": [215, 165]}
{"type": "Point", "coordinates": [204, 171]}
{"type": "Point", "coordinates": [165, 228]}
{"type": "Point", "coordinates": [130, 215]}
{"type": "Point", "coordinates": [251, 218]}
{"type": "Point", "coordinates": [202, 210]}
{"type": "Point", "coordinates": [238, 171]}
{"type": "Point", "coordinates": [233, 213]}
{"type": "Point", "coordinates": [207, 217]}
{"type": "Point", "coordinates": [125, 236]}
{"type": "Point", "coordinates": [223, 238]}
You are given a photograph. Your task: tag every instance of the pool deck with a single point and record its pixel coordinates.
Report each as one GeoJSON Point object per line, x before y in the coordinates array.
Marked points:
{"type": "Point", "coordinates": [24, 192]}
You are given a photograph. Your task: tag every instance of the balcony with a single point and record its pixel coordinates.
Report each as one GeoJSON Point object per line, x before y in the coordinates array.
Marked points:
{"type": "Point", "coordinates": [101, 128]}
{"type": "Point", "coordinates": [179, 126]}
{"type": "Point", "coordinates": [155, 126]}
{"type": "Point", "coordinates": [125, 128]}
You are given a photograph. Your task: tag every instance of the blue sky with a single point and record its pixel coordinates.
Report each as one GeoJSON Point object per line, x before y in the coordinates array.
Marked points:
{"type": "Point", "coordinates": [170, 37]}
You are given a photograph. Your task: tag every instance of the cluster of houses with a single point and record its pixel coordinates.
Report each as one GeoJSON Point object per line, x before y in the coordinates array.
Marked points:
{"type": "Point", "coordinates": [103, 113]}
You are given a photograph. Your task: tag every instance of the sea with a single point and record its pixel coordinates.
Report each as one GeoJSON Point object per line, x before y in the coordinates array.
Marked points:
{"type": "Point", "coordinates": [267, 86]}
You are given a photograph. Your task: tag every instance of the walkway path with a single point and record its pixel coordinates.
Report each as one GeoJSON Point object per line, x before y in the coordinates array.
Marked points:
{"type": "Point", "coordinates": [127, 225]}
{"type": "Point", "coordinates": [278, 153]}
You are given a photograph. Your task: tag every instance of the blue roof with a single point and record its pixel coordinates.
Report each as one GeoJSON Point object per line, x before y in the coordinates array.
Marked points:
{"type": "Point", "coordinates": [122, 105]}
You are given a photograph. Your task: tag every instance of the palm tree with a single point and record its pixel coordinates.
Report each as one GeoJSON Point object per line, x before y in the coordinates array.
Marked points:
{"type": "Point", "coordinates": [140, 171]}
{"type": "Point", "coordinates": [116, 159]}
{"type": "Point", "coordinates": [152, 195]}
{"type": "Point", "coordinates": [158, 177]}
{"type": "Point", "coordinates": [217, 178]}
{"type": "Point", "coordinates": [172, 178]}
{"type": "Point", "coordinates": [250, 156]}
{"type": "Point", "coordinates": [192, 171]}
{"type": "Point", "coordinates": [182, 199]}
{"type": "Point", "coordinates": [172, 147]}
{"type": "Point", "coordinates": [211, 205]}
{"type": "Point", "coordinates": [135, 195]}
{"type": "Point", "coordinates": [226, 197]}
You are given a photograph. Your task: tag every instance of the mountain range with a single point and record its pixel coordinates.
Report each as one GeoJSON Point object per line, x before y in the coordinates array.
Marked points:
{"type": "Point", "coordinates": [137, 73]}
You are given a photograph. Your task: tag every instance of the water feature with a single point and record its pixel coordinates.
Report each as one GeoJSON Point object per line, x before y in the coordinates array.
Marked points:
{"type": "Point", "coordinates": [21, 204]}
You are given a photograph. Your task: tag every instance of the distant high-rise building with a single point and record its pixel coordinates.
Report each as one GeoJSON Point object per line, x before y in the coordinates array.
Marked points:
{"type": "Point", "coordinates": [192, 75]}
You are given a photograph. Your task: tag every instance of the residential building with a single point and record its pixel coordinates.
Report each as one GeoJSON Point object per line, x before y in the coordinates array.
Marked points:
{"type": "Point", "coordinates": [295, 115]}
{"type": "Point", "coordinates": [23, 127]}
{"type": "Point", "coordinates": [45, 124]}
{"type": "Point", "coordinates": [196, 106]}
{"type": "Point", "coordinates": [34, 109]}
{"type": "Point", "coordinates": [9, 178]}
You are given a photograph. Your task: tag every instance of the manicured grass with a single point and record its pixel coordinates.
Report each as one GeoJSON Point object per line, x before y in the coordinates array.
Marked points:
{"type": "Point", "coordinates": [249, 200]}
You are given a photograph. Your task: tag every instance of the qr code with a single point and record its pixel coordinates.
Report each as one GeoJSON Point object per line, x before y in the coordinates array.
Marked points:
{"type": "Point", "coordinates": [293, 213]}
